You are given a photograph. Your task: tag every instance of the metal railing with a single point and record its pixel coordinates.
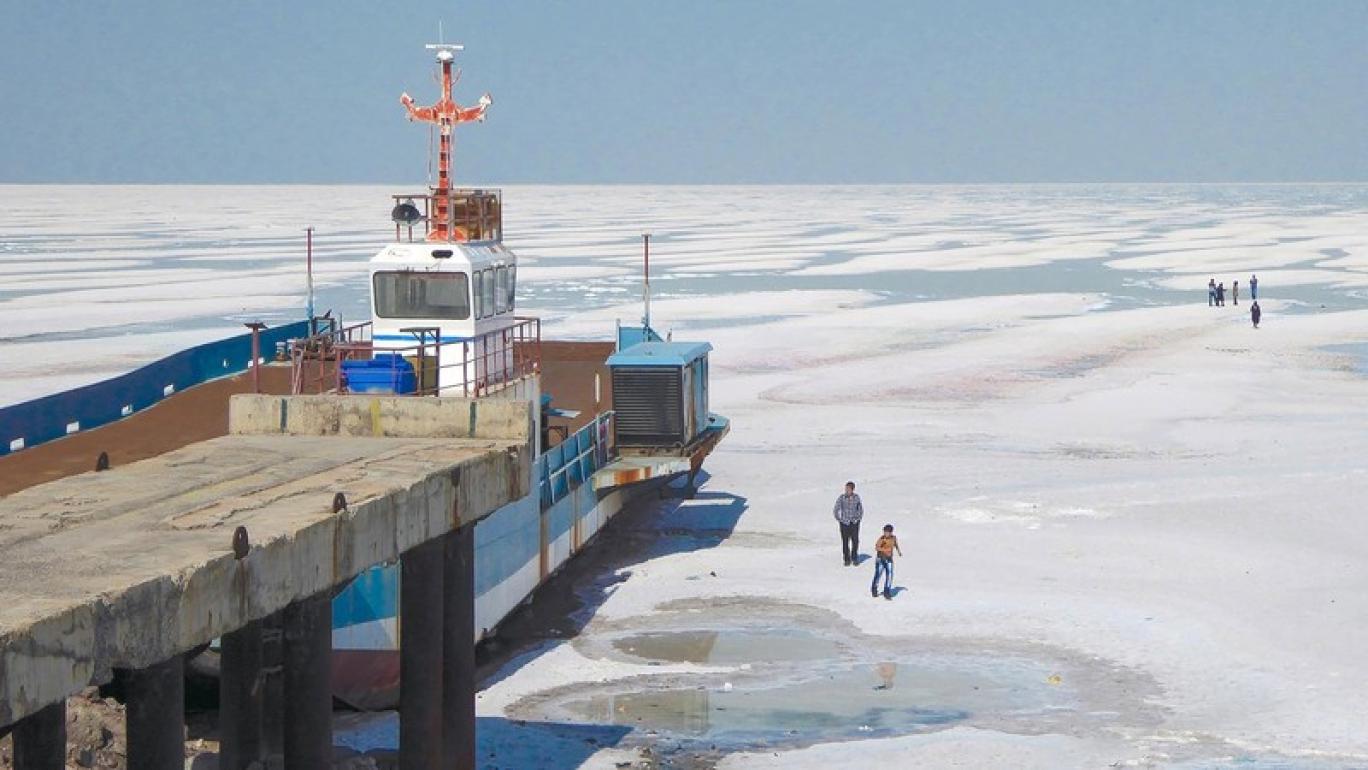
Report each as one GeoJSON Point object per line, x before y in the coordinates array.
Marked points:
{"type": "Point", "coordinates": [472, 215]}
{"type": "Point", "coordinates": [471, 368]}
{"type": "Point", "coordinates": [315, 360]}
{"type": "Point", "coordinates": [572, 462]}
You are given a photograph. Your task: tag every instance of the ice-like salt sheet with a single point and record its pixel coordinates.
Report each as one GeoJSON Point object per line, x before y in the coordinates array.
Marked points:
{"type": "Point", "coordinates": [1076, 451]}
{"type": "Point", "coordinates": [1270, 281]}
{"type": "Point", "coordinates": [684, 312]}
{"type": "Point", "coordinates": [537, 272]}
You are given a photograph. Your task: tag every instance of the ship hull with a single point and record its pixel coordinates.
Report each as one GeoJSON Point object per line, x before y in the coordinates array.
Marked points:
{"type": "Point", "coordinates": [517, 548]}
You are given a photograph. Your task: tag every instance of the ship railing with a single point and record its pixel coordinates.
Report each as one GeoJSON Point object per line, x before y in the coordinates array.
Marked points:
{"type": "Point", "coordinates": [472, 215]}
{"type": "Point", "coordinates": [471, 368]}
{"type": "Point", "coordinates": [314, 360]}
{"type": "Point", "coordinates": [565, 466]}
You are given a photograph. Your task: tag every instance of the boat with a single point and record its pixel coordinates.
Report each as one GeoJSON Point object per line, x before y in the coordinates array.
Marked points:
{"type": "Point", "coordinates": [444, 323]}
{"type": "Point", "coordinates": [614, 419]}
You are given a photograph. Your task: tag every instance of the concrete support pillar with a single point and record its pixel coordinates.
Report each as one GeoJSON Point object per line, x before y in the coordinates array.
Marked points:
{"type": "Point", "coordinates": [273, 704]}
{"type": "Point", "coordinates": [156, 716]}
{"type": "Point", "coordinates": [308, 683]}
{"type": "Point", "coordinates": [240, 695]}
{"type": "Point", "coordinates": [458, 642]}
{"type": "Point", "coordinates": [40, 739]}
{"type": "Point", "coordinates": [420, 657]}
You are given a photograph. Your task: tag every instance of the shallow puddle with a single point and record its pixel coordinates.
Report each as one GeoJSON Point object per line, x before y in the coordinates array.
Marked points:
{"type": "Point", "coordinates": [814, 704]}
{"type": "Point", "coordinates": [727, 647]}
{"type": "Point", "coordinates": [1358, 353]}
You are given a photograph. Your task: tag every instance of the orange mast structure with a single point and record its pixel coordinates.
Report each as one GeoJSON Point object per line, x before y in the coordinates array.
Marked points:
{"type": "Point", "coordinates": [446, 113]}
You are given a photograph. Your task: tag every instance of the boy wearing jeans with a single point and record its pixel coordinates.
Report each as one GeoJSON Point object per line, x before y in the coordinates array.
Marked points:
{"type": "Point", "coordinates": [883, 562]}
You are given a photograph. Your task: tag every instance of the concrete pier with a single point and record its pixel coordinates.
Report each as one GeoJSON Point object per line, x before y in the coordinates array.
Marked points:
{"type": "Point", "coordinates": [458, 663]}
{"type": "Point", "coordinates": [420, 658]}
{"type": "Point", "coordinates": [135, 566]}
{"type": "Point", "coordinates": [156, 716]}
{"type": "Point", "coordinates": [240, 697]}
{"type": "Point", "coordinates": [40, 739]}
{"type": "Point", "coordinates": [308, 652]}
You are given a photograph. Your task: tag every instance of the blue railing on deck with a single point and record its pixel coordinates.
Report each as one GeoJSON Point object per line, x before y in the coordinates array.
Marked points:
{"type": "Point", "coordinates": [52, 417]}
{"type": "Point", "coordinates": [572, 462]}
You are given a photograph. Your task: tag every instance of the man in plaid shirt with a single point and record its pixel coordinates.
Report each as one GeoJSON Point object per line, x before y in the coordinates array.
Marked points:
{"type": "Point", "coordinates": [848, 511]}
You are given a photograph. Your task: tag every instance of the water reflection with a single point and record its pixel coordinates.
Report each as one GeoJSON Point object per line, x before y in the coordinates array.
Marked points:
{"type": "Point", "coordinates": [727, 647]}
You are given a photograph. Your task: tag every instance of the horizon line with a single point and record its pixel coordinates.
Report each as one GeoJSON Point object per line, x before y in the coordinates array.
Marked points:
{"type": "Point", "coordinates": [1265, 183]}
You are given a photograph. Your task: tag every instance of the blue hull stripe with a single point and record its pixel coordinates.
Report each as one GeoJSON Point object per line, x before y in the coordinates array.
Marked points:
{"type": "Point", "coordinates": [373, 595]}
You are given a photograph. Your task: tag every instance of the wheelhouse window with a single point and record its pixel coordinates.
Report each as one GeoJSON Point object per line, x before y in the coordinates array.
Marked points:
{"type": "Point", "coordinates": [407, 294]}
{"type": "Point", "coordinates": [481, 309]}
{"type": "Point", "coordinates": [501, 291]}
{"type": "Point", "coordinates": [512, 284]}
{"type": "Point", "coordinates": [488, 292]}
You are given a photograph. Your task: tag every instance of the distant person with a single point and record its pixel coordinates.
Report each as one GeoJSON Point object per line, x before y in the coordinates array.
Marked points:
{"type": "Point", "coordinates": [1255, 313]}
{"type": "Point", "coordinates": [883, 562]}
{"type": "Point", "coordinates": [848, 511]}
{"type": "Point", "coordinates": [1211, 293]}
{"type": "Point", "coordinates": [1220, 294]}
{"type": "Point", "coordinates": [1235, 293]}
{"type": "Point", "coordinates": [1253, 286]}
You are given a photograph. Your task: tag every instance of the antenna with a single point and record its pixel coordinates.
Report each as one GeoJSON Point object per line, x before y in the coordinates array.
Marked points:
{"type": "Point", "coordinates": [308, 267]}
{"type": "Point", "coordinates": [445, 51]}
{"type": "Point", "coordinates": [444, 115]}
{"type": "Point", "coordinates": [646, 274]}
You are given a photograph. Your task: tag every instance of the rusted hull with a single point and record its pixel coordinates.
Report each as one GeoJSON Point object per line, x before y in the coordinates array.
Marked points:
{"type": "Point", "coordinates": [634, 469]}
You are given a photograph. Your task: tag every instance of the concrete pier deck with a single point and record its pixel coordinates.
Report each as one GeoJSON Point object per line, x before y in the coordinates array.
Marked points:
{"type": "Point", "coordinates": [130, 567]}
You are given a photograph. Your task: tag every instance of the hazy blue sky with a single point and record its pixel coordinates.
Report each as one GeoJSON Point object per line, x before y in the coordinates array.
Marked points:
{"type": "Point", "coordinates": [689, 90]}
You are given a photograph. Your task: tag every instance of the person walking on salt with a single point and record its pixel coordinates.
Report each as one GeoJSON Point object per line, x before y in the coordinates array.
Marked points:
{"type": "Point", "coordinates": [883, 562]}
{"type": "Point", "coordinates": [848, 512]}
{"type": "Point", "coordinates": [1255, 313]}
{"type": "Point", "coordinates": [1253, 286]}
{"type": "Point", "coordinates": [1211, 293]}
{"type": "Point", "coordinates": [1220, 294]}
{"type": "Point", "coordinates": [1235, 293]}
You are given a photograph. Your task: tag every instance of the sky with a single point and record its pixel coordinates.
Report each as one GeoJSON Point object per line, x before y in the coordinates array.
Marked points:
{"type": "Point", "coordinates": [695, 91]}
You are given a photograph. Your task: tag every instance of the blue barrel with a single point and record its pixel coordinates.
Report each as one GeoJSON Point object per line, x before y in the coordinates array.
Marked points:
{"type": "Point", "coordinates": [385, 373]}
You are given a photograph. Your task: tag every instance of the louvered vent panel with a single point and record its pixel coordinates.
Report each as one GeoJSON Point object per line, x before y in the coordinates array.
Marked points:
{"type": "Point", "coordinates": [648, 405]}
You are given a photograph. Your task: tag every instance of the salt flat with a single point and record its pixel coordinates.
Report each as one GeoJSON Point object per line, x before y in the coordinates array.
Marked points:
{"type": "Point", "coordinates": [1164, 493]}
{"type": "Point", "coordinates": [1133, 513]}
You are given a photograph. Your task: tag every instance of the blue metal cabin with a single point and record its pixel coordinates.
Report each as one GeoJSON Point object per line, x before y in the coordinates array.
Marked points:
{"type": "Point", "coordinates": [660, 394]}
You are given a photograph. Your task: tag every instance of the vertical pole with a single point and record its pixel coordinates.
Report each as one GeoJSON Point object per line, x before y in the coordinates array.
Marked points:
{"type": "Point", "coordinates": [420, 657]}
{"type": "Point", "coordinates": [458, 643]}
{"type": "Point", "coordinates": [308, 691]}
{"type": "Point", "coordinates": [646, 289]}
{"type": "Point", "coordinates": [256, 327]}
{"type": "Point", "coordinates": [40, 739]}
{"type": "Point", "coordinates": [156, 716]}
{"type": "Point", "coordinates": [308, 231]}
{"type": "Point", "coordinates": [444, 207]}
{"type": "Point", "coordinates": [240, 698]}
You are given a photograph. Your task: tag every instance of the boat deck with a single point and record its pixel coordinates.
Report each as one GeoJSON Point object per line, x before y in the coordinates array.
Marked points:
{"type": "Point", "coordinates": [201, 413]}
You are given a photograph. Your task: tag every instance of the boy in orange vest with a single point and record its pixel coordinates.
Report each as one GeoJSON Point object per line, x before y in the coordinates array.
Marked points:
{"type": "Point", "coordinates": [883, 562]}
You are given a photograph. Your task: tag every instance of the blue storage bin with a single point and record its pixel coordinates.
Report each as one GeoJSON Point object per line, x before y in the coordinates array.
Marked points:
{"type": "Point", "coordinates": [385, 373]}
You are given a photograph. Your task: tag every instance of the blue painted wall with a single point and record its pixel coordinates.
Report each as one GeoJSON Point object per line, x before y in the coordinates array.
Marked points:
{"type": "Point", "coordinates": [44, 419]}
